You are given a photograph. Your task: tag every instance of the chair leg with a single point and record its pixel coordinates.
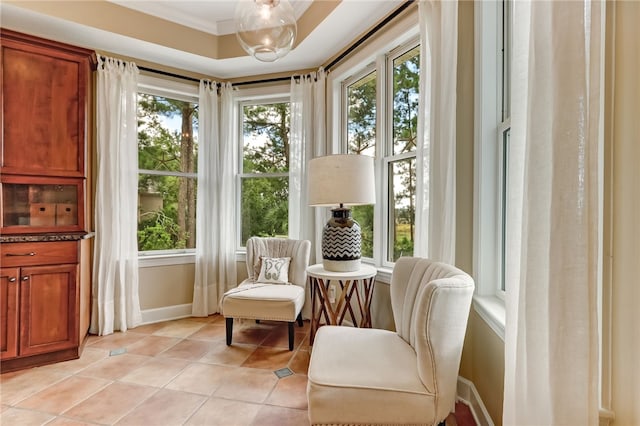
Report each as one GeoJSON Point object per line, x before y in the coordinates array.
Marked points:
{"type": "Point", "coordinates": [300, 319]}
{"type": "Point", "coordinates": [291, 333]}
{"type": "Point", "coordinates": [229, 329]}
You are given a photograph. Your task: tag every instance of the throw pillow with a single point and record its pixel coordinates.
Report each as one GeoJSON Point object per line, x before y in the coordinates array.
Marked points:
{"type": "Point", "coordinates": [274, 270]}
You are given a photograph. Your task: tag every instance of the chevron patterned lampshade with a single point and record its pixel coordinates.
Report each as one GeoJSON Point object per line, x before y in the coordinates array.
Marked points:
{"type": "Point", "coordinates": [344, 180]}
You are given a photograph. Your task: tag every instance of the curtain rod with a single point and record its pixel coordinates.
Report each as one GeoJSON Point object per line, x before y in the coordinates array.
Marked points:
{"type": "Point", "coordinates": [169, 74]}
{"type": "Point", "coordinates": [333, 63]}
{"type": "Point", "coordinates": [370, 33]}
{"type": "Point", "coordinates": [197, 80]}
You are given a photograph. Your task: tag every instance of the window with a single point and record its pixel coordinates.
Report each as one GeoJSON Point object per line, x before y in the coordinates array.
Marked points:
{"type": "Point", "coordinates": [380, 110]}
{"type": "Point", "coordinates": [401, 163]}
{"type": "Point", "coordinates": [493, 27]}
{"type": "Point", "coordinates": [361, 139]}
{"type": "Point", "coordinates": [504, 129]}
{"type": "Point", "coordinates": [167, 170]}
{"type": "Point", "coordinates": [264, 176]}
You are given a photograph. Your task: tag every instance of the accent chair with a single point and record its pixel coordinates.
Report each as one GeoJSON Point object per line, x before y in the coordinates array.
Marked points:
{"type": "Point", "coordinates": [361, 376]}
{"type": "Point", "coordinates": [275, 287]}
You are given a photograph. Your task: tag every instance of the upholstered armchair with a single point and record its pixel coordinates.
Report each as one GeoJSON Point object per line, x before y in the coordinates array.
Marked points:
{"type": "Point", "coordinates": [275, 287]}
{"type": "Point", "coordinates": [370, 376]}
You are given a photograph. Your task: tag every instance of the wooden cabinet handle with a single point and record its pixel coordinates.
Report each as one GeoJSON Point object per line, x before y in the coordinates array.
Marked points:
{"type": "Point", "coordinates": [25, 278]}
{"type": "Point", "coordinates": [32, 253]}
{"type": "Point", "coordinates": [12, 279]}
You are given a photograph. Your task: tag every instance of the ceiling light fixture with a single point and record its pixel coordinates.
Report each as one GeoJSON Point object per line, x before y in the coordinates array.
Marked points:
{"type": "Point", "coordinates": [266, 29]}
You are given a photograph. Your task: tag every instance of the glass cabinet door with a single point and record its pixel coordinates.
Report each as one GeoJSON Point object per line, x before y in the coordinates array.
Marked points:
{"type": "Point", "coordinates": [40, 205]}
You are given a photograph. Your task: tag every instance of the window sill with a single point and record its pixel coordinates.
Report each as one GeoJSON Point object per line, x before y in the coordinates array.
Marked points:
{"type": "Point", "coordinates": [492, 310]}
{"type": "Point", "coordinates": [384, 275]}
{"type": "Point", "coordinates": [169, 259]}
{"type": "Point", "coordinates": [152, 260]}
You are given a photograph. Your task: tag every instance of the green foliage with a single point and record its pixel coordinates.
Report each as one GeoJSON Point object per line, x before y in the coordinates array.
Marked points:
{"type": "Point", "coordinates": [361, 124]}
{"type": "Point", "coordinates": [264, 203]}
{"type": "Point", "coordinates": [403, 247]}
{"type": "Point", "coordinates": [364, 216]}
{"type": "Point", "coordinates": [361, 139]}
{"type": "Point", "coordinates": [159, 233]}
{"type": "Point", "coordinates": [406, 83]}
{"type": "Point", "coordinates": [165, 149]}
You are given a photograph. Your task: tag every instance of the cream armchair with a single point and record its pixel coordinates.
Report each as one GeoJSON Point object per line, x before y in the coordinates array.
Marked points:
{"type": "Point", "coordinates": [275, 287]}
{"type": "Point", "coordinates": [371, 377]}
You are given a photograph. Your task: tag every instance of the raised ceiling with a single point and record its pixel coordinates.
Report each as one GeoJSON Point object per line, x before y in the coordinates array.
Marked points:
{"type": "Point", "coordinates": [196, 36]}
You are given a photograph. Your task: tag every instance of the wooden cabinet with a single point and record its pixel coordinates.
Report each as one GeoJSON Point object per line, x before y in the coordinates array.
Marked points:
{"type": "Point", "coordinates": [48, 309]}
{"type": "Point", "coordinates": [40, 310]}
{"type": "Point", "coordinates": [9, 303]}
{"type": "Point", "coordinates": [44, 95]}
{"type": "Point", "coordinates": [44, 254]}
{"type": "Point", "coordinates": [40, 299]}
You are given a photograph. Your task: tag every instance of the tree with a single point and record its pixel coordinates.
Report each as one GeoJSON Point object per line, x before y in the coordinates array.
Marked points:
{"type": "Point", "coordinates": [265, 209]}
{"type": "Point", "coordinates": [163, 149]}
{"type": "Point", "coordinates": [361, 139]}
{"type": "Point", "coordinates": [361, 124]}
{"type": "Point", "coordinates": [406, 83]}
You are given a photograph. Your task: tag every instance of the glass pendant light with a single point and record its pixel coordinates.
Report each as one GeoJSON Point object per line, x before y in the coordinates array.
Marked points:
{"type": "Point", "coordinates": [266, 29]}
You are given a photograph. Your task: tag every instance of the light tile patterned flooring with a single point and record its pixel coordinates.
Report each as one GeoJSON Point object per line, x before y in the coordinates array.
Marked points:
{"type": "Point", "coordinates": [172, 373]}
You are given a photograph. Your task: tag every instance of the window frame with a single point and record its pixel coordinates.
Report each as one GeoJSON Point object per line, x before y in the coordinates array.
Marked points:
{"type": "Point", "coordinates": [492, 121]}
{"type": "Point", "coordinates": [388, 156]}
{"type": "Point", "coordinates": [183, 91]}
{"type": "Point", "coordinates": [255, 96]}
{"type": "Point", "coordinates": [381, 62]}
{"type": "Point", "coordinates": [344, 130]}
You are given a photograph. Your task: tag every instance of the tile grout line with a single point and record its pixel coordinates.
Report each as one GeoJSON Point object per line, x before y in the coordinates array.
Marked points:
{"type": "Point", "coordinates": [300, 347]}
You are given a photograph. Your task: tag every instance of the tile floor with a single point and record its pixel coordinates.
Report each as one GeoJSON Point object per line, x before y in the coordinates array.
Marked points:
{"type": "Point", "coordinates": [173, 373]}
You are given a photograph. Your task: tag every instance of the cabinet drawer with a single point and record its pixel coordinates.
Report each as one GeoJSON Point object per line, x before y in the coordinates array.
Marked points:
{"type": "Point", "coordinates": [41, 253]}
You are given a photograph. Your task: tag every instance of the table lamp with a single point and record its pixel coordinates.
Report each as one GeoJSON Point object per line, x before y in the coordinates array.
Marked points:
{"type": "Point", "coordinates": [344, 180]}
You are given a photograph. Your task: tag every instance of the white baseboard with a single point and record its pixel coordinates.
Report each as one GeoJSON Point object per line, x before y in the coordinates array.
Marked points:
{"type": "Point", "coordinates": [468, 394]}
{"type": "Point", "coordinates": [166, 313]}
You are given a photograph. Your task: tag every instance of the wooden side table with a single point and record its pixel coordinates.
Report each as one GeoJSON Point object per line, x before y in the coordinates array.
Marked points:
{"type": "Point", "coordinates": [356, 286]}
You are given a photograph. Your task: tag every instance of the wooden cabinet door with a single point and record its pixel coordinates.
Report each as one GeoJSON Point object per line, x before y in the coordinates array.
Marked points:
{"type": "Point", "coordinates": [48, 309]}
{"type": "Point", "coordinates": [44, 100]}
{"type": "Point", "coordinates": [9, 312]}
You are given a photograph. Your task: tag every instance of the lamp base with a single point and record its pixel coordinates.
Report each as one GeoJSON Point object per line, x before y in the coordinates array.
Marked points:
{"type": "Point", "coordinates": [341, 265]}
{"type": "Point", "coordinates": [341, 242]}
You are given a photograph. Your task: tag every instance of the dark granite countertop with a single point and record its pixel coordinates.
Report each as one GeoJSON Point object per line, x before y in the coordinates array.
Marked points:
{"type": "Point", "coordinates": [23, 238]}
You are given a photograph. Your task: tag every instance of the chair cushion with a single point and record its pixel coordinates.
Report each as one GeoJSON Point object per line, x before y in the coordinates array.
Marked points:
{"type": "Point", "coordinates": [263, 301]}
{"type": "Point", "coordinates": [343, 390]}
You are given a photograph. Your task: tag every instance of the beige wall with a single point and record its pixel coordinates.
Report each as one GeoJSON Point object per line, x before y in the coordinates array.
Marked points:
{"type": "Point", "coordinates": [622, 191]}
{"type": "Point", "coordinates": [464, 159]}
{"type": "Point", "coordinates": [465, 134]}
{"type": "Point", "coordinates": [486, 352]}
{"type": "Point", "coordinates": [163, 286]}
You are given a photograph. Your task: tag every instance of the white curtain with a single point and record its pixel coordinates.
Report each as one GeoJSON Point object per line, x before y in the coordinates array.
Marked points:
{"type": "Point", "coordinates": [116, 304]}
{"type": "Point", "coordinates": [215, 211]}
{"type": "Point", "coordinates": [435, 233]}
{"type": "Point", "coordinates": [551, 336]}
{"type": "Point", "coordinates": [307, 141]}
